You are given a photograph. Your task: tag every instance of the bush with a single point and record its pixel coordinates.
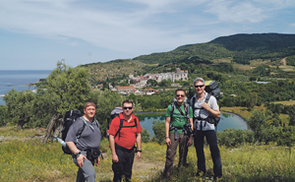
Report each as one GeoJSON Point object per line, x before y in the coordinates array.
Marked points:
{"type": "Point", "coordinates": [234, 137]}
{"type": "Point", "coordinates": [284, 135]}
{"type": "Point", "coordinates": [145, 135]}
{"type": "Point", "coordinates": [159, 131]}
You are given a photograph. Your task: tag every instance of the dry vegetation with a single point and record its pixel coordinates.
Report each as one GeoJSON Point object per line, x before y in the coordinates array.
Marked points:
{"type": "Point", "coordinates": [113, 69]}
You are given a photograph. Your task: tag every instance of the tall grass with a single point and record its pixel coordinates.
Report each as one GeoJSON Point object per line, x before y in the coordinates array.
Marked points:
{"type": "Point", "coordinates": [29, 160]}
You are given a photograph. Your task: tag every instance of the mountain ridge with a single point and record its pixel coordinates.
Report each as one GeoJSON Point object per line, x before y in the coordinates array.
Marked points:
{"type": "Point", "coordinates": [238, 48]}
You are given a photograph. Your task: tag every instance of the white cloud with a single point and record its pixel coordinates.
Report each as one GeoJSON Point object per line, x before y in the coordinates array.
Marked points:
{"type": "Point", "coordinates": [237, 11]}
{"type": "Point", "coordinates": [135, 26]}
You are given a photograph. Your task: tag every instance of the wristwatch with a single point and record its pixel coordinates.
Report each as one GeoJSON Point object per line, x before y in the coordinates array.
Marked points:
{"type": "Point", "coordinates": [138, 151]}
{"type": "Point", "coordinates": [78, 153]}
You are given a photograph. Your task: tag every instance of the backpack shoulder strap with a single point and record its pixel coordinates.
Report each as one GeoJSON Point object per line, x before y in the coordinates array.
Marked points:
{"type": "Point", "coordinates": [193, 103]}
{"type": "Point", "coordinates": [135, 122]}
{"type": "Point", "coordinates": [188, 108]}
{"type": "Point", "coordinates": [208, 97]}
{"type": "Point", "coordinates": [81, 131]}
{"type": "Point", "coordinates": [172, 109]}
{"type": "Point", "coordinates": [120, 127]}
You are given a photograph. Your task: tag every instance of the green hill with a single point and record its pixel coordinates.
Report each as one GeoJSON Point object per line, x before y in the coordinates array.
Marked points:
{"type": "Point", "coordinates": [245, 49]}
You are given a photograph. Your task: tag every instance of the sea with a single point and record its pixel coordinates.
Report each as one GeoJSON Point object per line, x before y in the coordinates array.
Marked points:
{"type": "Point", "coordinates": [19, 80]}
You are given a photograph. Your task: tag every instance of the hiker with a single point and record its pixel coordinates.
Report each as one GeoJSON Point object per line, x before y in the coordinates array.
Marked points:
{"type": "Point", "coordinates": [179, 116]}
{"type": "Point", "coordinates": [84, 149]}
{"type": "Point", "coordinates": [202, 128]}
{"type": "Point", "coordinates": [124, 132]}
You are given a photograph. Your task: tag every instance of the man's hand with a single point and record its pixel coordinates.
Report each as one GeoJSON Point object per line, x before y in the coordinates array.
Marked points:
{"type": "Point", "coordinates": [168, 141]}
{"type": "Point", "coordinates": [190, 141]}
{"type": "Point", "coordinates": [97, 161]}
{"type": "Point", "coordinates": [206, 106]}
{"type": "Point", "coordinates": [138, 155]}
{"type": "Point", "coordinates": [80, 160]}
{"type": "Point", "coordinates": [115, 158]}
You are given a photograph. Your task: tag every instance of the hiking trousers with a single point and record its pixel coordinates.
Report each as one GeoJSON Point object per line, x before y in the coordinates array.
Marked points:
{"type": "Point", "coordinates": [215, 154]}
{"type": "Point", "coordinates": [86, 172]}
{"type": "Point", "coordinates": [124, 166]}
{"type": "Point", "coordinates": [171, 151]}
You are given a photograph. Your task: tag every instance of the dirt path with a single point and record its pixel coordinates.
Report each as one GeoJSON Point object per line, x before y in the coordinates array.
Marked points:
{"type": "Point", "coordinates": [284, 61]}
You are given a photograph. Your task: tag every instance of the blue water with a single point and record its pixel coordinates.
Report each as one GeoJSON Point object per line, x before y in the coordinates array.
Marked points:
{"type": "Point", "coordinates": [18, 80]}
{"type": "Point", "coordinates": [227, 121]}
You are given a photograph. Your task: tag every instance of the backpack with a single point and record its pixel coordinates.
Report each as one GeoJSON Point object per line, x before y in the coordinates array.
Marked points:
{"type": "Point", "coordinates": [115, 113]}
{"type": "Point", "coordinates": [69, 118]}
{"type": "Point", "coordinates": [213, 90]}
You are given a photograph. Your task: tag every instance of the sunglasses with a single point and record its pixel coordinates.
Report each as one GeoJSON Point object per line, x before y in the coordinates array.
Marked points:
{"type": "Point", "coordinates": [199, 86]}
{"type": "Point", "coordinates": [180, 95]}
{"type": "Point", "coordinates": [127, 108]}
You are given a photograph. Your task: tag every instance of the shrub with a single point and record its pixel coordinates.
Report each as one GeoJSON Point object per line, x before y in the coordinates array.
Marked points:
{"type": "Point", "coordinates": [159, 131]}
{"type": "Point", "coordinates": [284, 135]}
{"type": "Point", "coordinates": [145, 135]}
{"type": "Point", "coordinates": [234, 137]}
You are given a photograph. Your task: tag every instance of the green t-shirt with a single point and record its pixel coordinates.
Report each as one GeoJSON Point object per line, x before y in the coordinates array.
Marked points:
{"type": "Point", "coordinates": [177, 119]}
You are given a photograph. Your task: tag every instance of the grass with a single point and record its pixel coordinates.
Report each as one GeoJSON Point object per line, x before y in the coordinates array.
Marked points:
{"type": "Point", "coordinates": [288, 103]}
{"type": "Point", "coordinates": [29, 160]}
{"type": "Point", "coordinates": [242, 111]}
{"type": "Point", "coordinates": [287, 68]}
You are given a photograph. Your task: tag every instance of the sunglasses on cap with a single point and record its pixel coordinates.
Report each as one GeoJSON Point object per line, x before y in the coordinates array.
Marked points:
{"type": "Point", "coordinates": [127, 108]}
{"type": "Point", "coordinates": [199, 86]}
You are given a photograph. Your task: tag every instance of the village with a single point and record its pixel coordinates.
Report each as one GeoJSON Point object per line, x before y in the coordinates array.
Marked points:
{"type": "Point", "coordinates": [140, 82]}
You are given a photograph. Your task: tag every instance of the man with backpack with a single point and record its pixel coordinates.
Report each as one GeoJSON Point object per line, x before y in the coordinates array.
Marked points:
{"type": "Point", "coordinates": [205, 109]}
{"type": "Point", "coordinates": [85, 148]}
{"type": "Point", "coordinates": [178, 131]}
{"type": "Point", "coordinates": [124, 132]}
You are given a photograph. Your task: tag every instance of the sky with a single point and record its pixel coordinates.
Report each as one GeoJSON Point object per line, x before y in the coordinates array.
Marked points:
{"type": "Point", "coordinates": [36, 34]}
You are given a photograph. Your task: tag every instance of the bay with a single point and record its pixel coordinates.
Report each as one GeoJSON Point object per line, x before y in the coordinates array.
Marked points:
{"type": "Point", "coordinates": [19, 80]}
{"type": "Point", "coordinates": [227, 121]}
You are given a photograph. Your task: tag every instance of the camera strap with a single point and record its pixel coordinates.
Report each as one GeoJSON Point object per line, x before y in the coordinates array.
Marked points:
{"type": "Point", "coordinates": [185, 109]}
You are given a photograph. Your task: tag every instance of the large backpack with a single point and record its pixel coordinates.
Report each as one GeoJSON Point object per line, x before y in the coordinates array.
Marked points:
{"type": "Point", "coordinates": [69, 118]}
{"type": "Point", "coordinates": [213, 90]}
{"type": "Point", "coordinates": [115, 113]}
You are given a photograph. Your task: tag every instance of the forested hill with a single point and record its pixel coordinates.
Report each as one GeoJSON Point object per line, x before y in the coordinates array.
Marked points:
{"type": "Point", "coordinates": [254, 42]}
{"type": "Point", "coordinates": [233, 49]}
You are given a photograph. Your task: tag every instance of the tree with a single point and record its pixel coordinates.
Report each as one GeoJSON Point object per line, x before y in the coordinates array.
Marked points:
{"type": "Point", "coordinates": [3, 115]}
{"type": "Point", "coordinates": [106, 101]}
{"type": "Point", "coordinates": [151, 83]}
{"type": "Point", "coordinates": [258, 124]}
{"type": "Point", "coordinates": [20, 106]}
{"type": "Point", "coordinates": [165, 83]}
{"type": "Point", "coordinates": [159, 131]}
{"type": "Point", "coordinates": [71, 87]}
{"type": "Point", "coordinates": [251, 101]}
{"type": "Point", "coordinates": [291, 113]}
{"type": "Point", "coordinates": [145, 135]}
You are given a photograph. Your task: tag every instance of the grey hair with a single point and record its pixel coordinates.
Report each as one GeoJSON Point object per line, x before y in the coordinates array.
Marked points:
{"type": "Point", "coordinates": [199, 79]}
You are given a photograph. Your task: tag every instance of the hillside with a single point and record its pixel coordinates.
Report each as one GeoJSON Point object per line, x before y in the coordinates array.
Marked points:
{"type": "Point", "coordinates": [250, 50]}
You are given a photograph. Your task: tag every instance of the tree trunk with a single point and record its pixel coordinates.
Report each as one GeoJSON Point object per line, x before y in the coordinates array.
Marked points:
{"type": "Point", "coordinates": [49, 129]}
{"type": "Point", "coordinates": [58, 127]}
